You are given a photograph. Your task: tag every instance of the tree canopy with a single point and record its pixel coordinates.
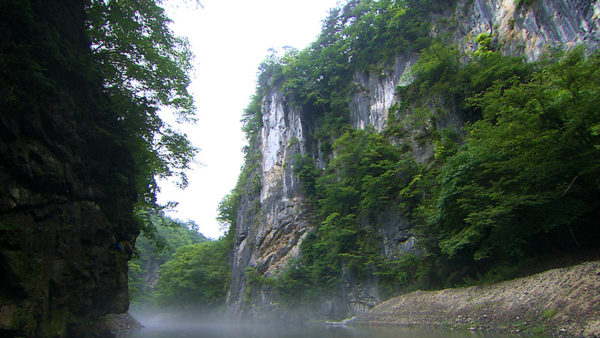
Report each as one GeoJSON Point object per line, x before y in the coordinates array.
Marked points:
{"type": "Point", "coordinates": [196, 277]}
{"type": "Point", "coordinates": [146, 69]}
{"type": "Point", "coordinates": [153, 248]}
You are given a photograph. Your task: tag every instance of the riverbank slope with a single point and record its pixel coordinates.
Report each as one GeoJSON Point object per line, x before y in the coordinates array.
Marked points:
{"type": "Point", "coordinates": [563, 301]}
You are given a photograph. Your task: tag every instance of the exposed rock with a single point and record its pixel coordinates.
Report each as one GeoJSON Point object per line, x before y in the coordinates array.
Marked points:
{"type": "Point", "coordinates": [273, 216]}
{"type": "Point", "coordinates": [122, 325]}
{"type": "Point", "coordinates": [370, 106]}
{"type": "Point", "coordinates": [272, 220]}
{"type": "Point", "coordinates": [529, 30]}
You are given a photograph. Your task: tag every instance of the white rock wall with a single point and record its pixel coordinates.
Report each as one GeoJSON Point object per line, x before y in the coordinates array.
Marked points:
{"type": "Point", "coordinates": [281, 135]}
{"type": "Point", "coordinates": [370, 106]}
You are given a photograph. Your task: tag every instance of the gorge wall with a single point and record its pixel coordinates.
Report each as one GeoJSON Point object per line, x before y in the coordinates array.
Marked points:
{"type": "Point", "coordinates": [62, 215]}
{"type": "Point", "coordinates": [274, 215]}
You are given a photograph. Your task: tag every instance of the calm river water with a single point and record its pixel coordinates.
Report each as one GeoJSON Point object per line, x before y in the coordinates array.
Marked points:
{"type": "Point", "coordinates": [156, 329]}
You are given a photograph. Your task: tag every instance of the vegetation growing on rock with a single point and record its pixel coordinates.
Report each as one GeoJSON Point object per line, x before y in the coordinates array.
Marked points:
{"type": "Point", "coordinates": [178, 269]}
{"type": "Point", "coordinates": [514, 177]}
{"type": "Point", "coordinates": [152, 250]}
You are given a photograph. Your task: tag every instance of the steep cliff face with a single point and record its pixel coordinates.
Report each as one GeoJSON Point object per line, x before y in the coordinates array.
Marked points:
{"type": "Point", "coordinates": [370, 106]}
{"type": "Point", "coordinates": [274, 216]}
{"type": "Point", "coordinates": [530, 28]}
{"type": "Point", "coordinates": [61, 213]}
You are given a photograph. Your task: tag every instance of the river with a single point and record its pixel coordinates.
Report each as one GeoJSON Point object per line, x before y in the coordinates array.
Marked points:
{"type": "Point", "coordinates": [216, 329]}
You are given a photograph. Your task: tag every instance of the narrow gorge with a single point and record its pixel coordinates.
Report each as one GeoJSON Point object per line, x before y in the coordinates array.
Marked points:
{"type": "Point", "coordinates": [426, 155]}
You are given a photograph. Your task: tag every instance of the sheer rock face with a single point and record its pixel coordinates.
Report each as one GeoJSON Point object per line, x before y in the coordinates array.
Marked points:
{"type": "Point", "coordinates": [274, 217]}
{"type": "Point", "coordinates": [282, 225]}
{"type": "Point", "coordinates": [66, 197]}
{"type": "Point", "coordinates": [530, 29]}
{"type": "Point", "coordinates": [370, 106]}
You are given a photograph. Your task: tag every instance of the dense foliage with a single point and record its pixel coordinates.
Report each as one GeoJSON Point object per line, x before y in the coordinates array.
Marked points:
{"type": "Point", "coordinates": [153, 249]}
{"type": "Point", "coordinates": [197, 277]}
{"type": "Point", "coordinates": [520, 180]}
{"type": "Point", "coordinates": [178, 267]}
{"type": "Point", "coordinates": [525, 181]}
{"type": "Point", "coordinates": [365, 176]}
{"type": "Point", "coordinates": [145, 68]}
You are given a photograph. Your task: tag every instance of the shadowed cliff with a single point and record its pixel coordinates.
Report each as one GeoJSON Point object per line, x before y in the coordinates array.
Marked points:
{"type": "Point", "coordinates": [67, 186]}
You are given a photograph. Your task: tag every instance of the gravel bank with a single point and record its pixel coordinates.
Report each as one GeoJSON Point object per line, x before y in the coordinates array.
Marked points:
{"type": "Point", "coordinates": [563, 302]}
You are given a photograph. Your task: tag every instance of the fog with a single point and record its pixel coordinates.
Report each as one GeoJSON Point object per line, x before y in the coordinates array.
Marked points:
{"type": "Point", "coordinates": [218, 325]}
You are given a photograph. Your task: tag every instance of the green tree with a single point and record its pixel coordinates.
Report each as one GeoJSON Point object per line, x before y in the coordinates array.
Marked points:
{"type": "Point", "coordinates": [366, 175]}
{"type": "Point", "coordinates": [526, 180]}
{"type": "Point", "coordinates": [227, 217]}
{"type": "Point", "coordinates": [196, 277]}
{"type": "Point", "coordinates": [145, 69]}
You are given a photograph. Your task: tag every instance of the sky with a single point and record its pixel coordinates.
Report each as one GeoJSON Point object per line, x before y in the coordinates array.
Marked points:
{"type": "Point", "coordinates": [229, 38]}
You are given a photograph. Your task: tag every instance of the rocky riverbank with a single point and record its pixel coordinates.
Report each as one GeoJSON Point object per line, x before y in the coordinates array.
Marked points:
{"type": "Point", "coordinates": [121, 325]}
{"type": "Point", "coordinates": [563, 301]}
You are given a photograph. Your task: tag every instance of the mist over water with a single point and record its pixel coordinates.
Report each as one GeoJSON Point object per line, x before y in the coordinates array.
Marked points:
{"type": "Point", "coordinates": [218, 326]}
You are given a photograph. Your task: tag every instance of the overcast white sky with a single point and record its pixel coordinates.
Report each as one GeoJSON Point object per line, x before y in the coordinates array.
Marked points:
{"type": "Point", "coordinates": [229, 39]}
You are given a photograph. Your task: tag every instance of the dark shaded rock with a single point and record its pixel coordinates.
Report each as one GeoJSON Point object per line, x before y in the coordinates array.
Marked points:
{"type": "Point", "coordinates": [61, 213]}
{"type": "Point", "coordinates": [122, 324]}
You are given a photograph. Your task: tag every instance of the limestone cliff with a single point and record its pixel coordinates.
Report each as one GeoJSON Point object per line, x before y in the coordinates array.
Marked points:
{"type": "Point", "coordinates": [61, 211]}
{"type": "Point", "coordinates": [274, 216]}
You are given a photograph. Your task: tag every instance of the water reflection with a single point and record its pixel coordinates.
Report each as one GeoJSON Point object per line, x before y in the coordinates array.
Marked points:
{"type": "Point", "coordinates": [219, 329]}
